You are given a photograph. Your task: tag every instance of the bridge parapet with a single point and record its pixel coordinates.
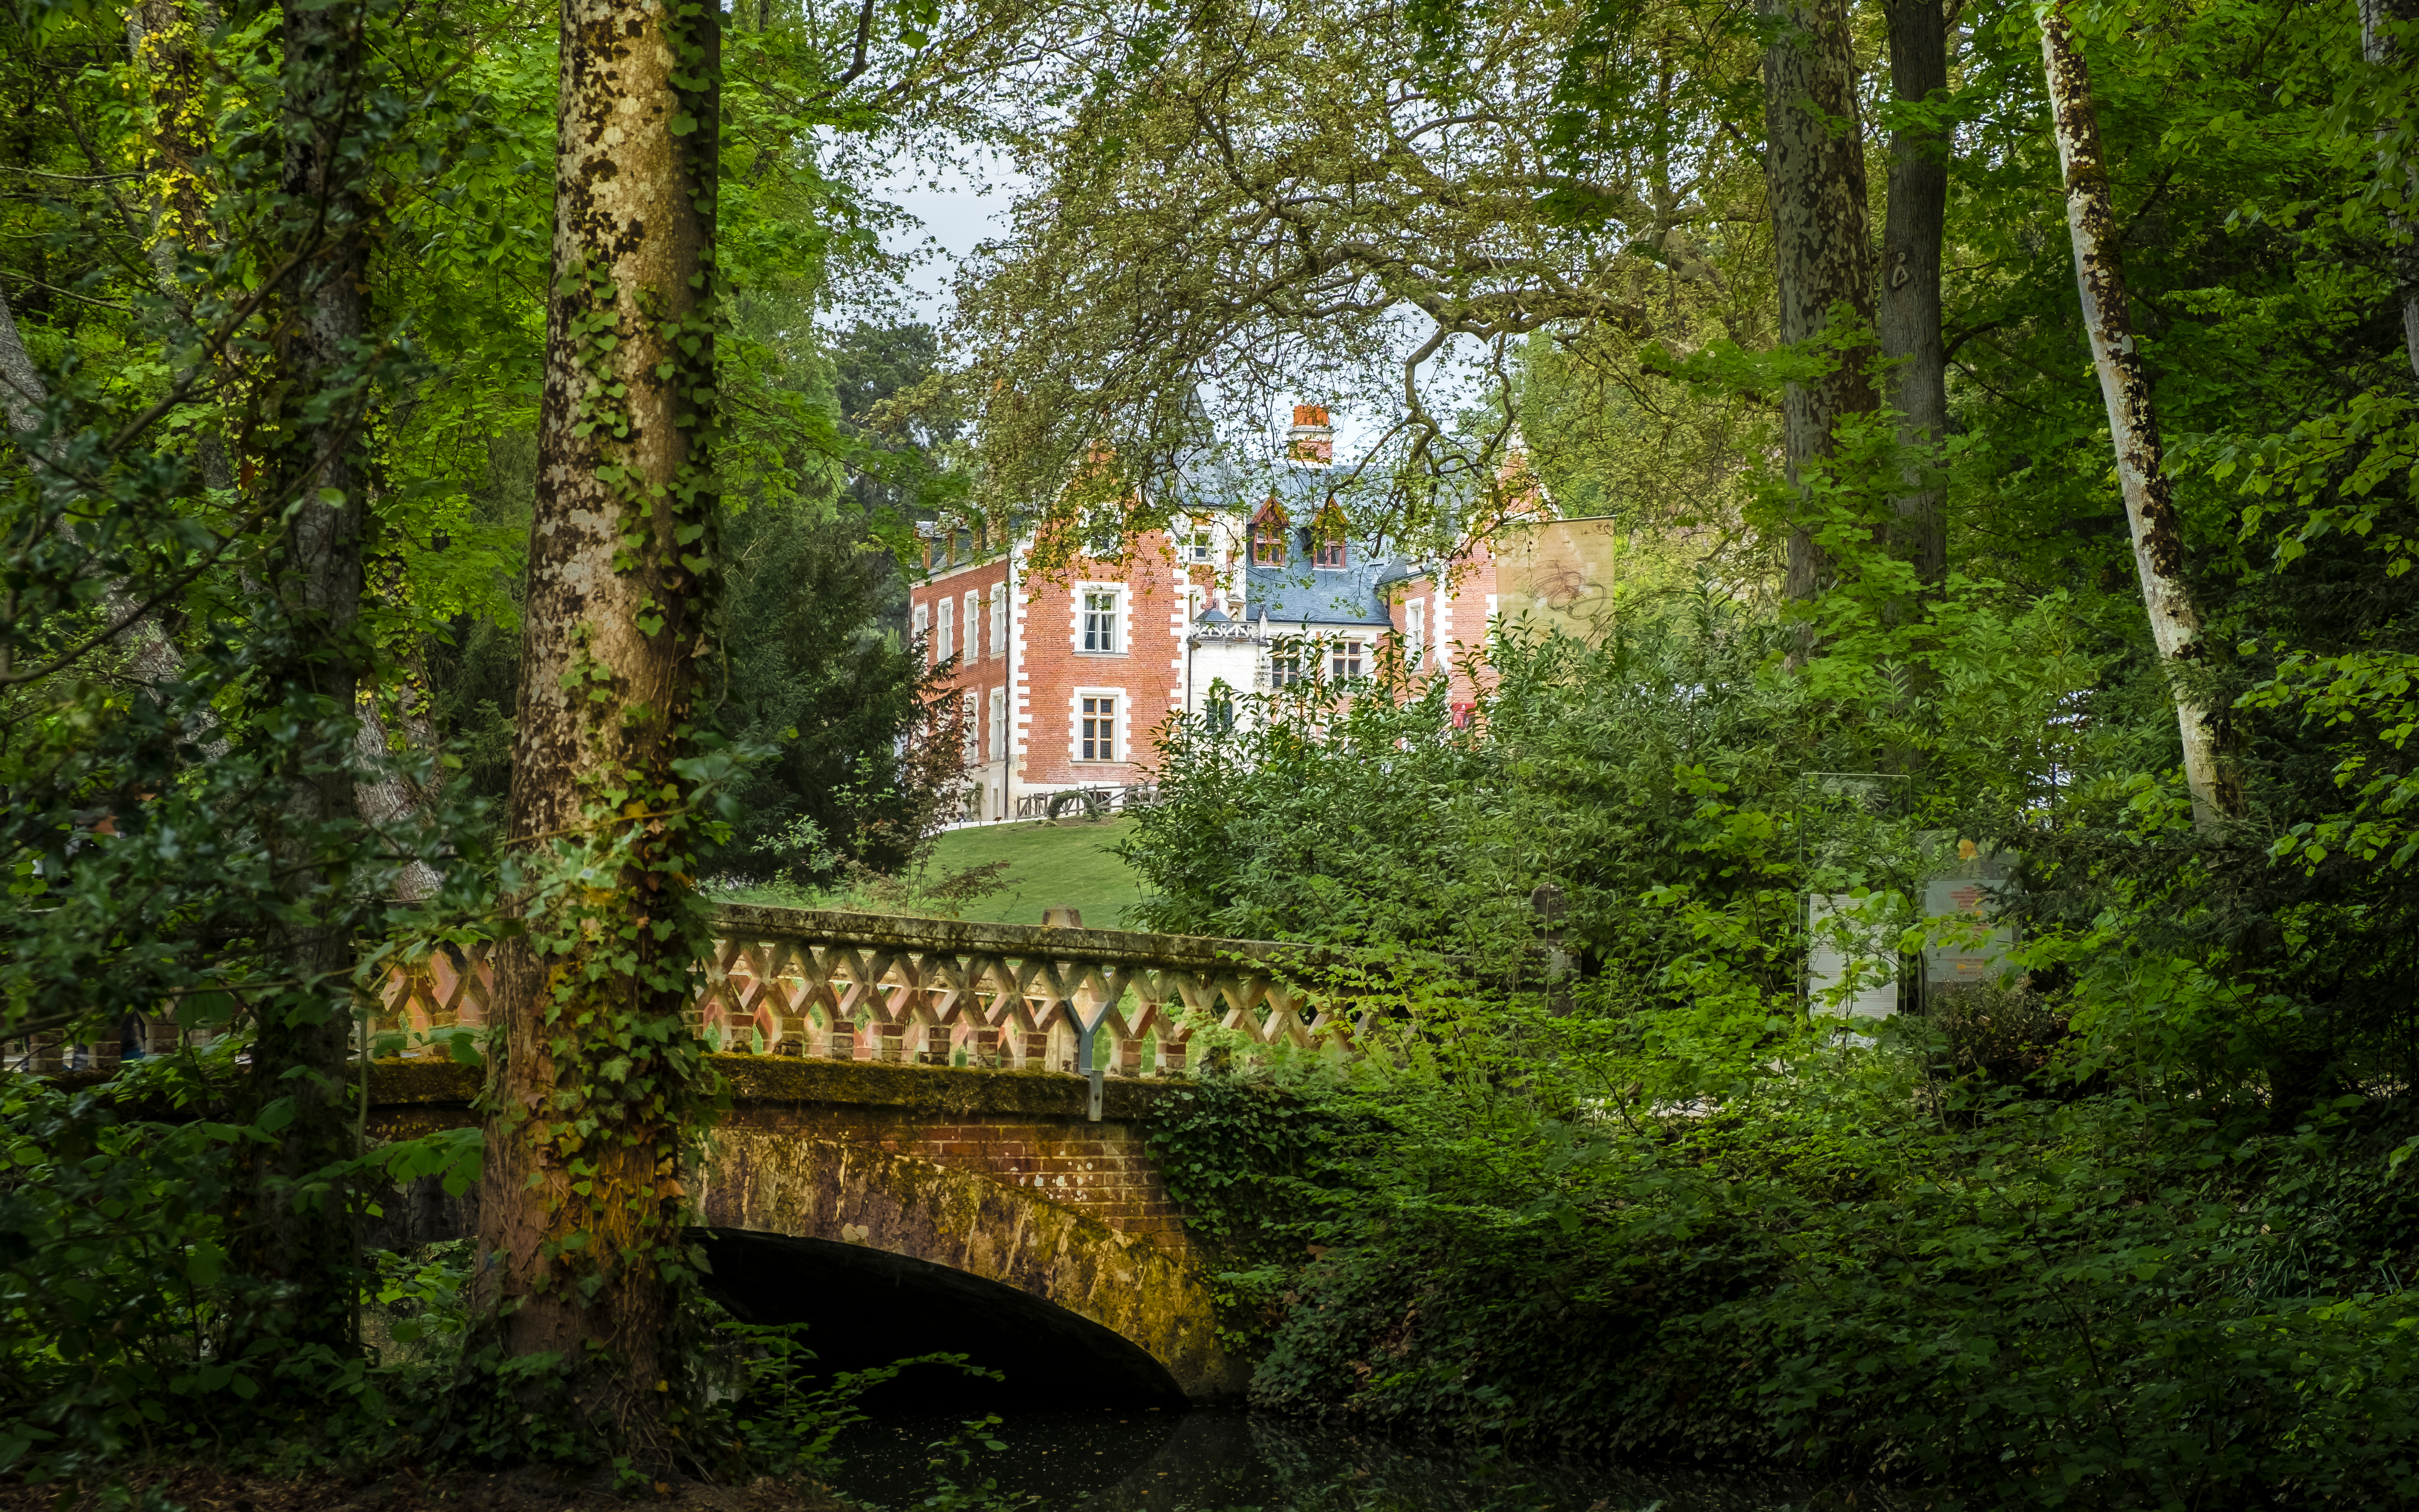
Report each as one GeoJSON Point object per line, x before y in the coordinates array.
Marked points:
{"type": "Point", "coordinates": [849, 986]}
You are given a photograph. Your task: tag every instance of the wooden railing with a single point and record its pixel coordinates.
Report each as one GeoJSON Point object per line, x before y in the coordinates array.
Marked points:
{"type": "Point", "coordinates": [947, 993]}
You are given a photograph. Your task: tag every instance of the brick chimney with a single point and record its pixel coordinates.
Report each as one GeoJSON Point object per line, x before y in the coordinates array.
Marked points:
{"type": "Point", "coordinates": [1311, 439]}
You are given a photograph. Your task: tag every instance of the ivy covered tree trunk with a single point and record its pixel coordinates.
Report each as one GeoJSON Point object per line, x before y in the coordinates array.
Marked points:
{"type": "Point", "coordinates": [300, 1240]}
{"type": "Point", "coordinates": [599, 1085]}
{"type": "Point", "coordinates": [1909, 300]}
{"type": "Point", "coordinates": [1814, 171]}
{"type": "Point", "coordinates": [2133, 425]}
{"type": "Point", "coordinates": [162, 36]}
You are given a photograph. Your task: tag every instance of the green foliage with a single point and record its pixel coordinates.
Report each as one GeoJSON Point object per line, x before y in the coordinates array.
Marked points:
{"type": "Point", "coordinates": [817, 683]}
{"type": "Point", "coordinates": [2095, 1304]}
{"type": "Point", "coordinates": [128, 1327]}
{"type": "Point", "coordinates": [1235, 1152]}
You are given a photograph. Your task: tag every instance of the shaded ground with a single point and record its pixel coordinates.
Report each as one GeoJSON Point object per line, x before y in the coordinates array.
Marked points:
{"type": "Point", "coordinates": [202, 1489]}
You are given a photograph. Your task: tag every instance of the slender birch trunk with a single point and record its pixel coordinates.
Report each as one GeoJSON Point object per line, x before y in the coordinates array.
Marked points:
{"type": "Point", "coordinates": [2377, 19]}
{"type": "Point", "coordinates": [1814, 171]}
{"type": "Point", "coordinates": [599, 1082]}
{"type": "Point", "coordinates": [2217, 786]}
{"type": "Point", "coordinates": [1909, 297]}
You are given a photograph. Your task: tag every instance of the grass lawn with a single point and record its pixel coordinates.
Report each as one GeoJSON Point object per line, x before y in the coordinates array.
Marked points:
{"type": "Point", "coordinates": [1064, 864]}
{"type": "Point", "coordinates": [1052, 864]}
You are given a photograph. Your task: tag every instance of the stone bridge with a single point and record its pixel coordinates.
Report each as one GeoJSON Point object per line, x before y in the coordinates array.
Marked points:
{"type": "Point", "coordinates": [942, 1146]}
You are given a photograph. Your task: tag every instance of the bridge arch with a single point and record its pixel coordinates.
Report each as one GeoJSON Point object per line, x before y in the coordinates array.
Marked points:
{"type": "Point", "coordinates": [767, 1184]}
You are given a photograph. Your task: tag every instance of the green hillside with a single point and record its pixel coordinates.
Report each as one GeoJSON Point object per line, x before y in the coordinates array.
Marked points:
{"type": "Point", "coordinates": [1052, 864]}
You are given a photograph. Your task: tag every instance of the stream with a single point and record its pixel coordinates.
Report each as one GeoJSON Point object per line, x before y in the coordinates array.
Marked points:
{"type": "Point", "coordinates": [1211, 1459]}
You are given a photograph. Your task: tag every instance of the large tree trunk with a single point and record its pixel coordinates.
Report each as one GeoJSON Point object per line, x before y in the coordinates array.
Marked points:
{"type": "Point", "coordinates": [303, 1038]}
{"type": "Point", "coordinates": [2133, 425]}
{"type": "Point", "coordinates": [1909, 297]}
{"type": "Point", "coordinates": [1814, 173]}
{"type": "Point", "coordinates": [599, 1081]}
{"type": "Point", "coordinates": [2377, 45]}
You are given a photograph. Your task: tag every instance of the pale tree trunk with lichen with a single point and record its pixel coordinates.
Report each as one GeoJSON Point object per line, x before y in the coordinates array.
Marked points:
{"type": "Point", "coordinates": [598, 1083]}
{"type": "Point", "coordinates": [2209, 771]}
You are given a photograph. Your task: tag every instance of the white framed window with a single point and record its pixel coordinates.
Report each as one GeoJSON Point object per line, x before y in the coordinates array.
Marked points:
{"type": "Point", "coordinates": [972, 734]}
{"type": "Point", "coordinates": [1096, 725]}
{"type": "Point", "coordinates": [1200, 545]}
{"type": "Point", "coordinates": [1101, 630]}
{"type": "Point", "coordinates": [1415, 633]}
{"type": "Point", "coordinates": [974, 625]}
{"type": "Point", "coordinates": [1345, 658]}
{"type": "Point", "coordinates": [999, 620]}
{"type": "Point", "coordinates": [941, 648]}
{"type": "Point", "coordinates": [1286, 664]}
{"type": "Point", "coordinates": [1000, 724]}
{"type": "Point", "coordinates": [922, 624]}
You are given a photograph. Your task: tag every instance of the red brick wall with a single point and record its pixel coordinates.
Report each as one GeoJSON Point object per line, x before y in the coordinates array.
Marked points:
{"type": "Point", "coordinates": [1102, 1169]}
{"type": "Point", "coordinates": [1463, 622]}
{"type": "Point", "coordinates": [1147, 676]}
{"type": "Point", "coordinates": [982, 673]}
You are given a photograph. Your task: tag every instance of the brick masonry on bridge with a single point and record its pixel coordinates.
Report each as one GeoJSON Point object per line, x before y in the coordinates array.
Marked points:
{"type": "Point", "coordinates": [1023, 1129]}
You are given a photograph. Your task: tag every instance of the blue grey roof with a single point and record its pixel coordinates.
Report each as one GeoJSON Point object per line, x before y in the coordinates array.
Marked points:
{"type": "Point", "coordinates": [1317, 595]}
{"type": "Point", "coordinates": [1298, 592]}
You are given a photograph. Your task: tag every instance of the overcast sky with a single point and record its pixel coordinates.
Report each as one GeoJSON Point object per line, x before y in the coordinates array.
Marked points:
{"type": "Point", "coordinates": [956, 215]}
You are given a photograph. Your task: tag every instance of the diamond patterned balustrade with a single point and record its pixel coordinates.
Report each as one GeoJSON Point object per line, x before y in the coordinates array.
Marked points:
{"type": "Point", "coordinates": [945, 992]}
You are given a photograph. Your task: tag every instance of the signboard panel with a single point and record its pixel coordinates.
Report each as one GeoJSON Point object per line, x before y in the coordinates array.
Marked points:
{"type": "Point", "coordinates": [1558, 575]}
{"type": "Point", "coordinates": [1964, 893]}
{"type": "Point", "coordinates": [1828, 957]}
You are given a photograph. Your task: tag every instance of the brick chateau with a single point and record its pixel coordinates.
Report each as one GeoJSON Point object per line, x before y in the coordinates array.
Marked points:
{"type": "Point", "coordinates": [1065, 675]}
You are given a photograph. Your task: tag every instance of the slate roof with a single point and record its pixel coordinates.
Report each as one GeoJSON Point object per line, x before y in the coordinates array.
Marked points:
{"type": "Point", "coordinates": [1298, 592]}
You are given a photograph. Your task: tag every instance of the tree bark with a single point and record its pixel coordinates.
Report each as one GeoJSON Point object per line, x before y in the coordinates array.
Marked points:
{"type": "Point", "coordinates": [160, 35]}
{"type": "Point", "coordinates": [2377, 46]}
{"type": "Point", "coordinates": [2210, 772]}
{"type": "Point", "coordinates": [303, 1038]}
{"type": "Point", "coordinates": [1909, 297]}
{"type": "Point", "coordinates": [1814, 171]}
{"type": "Point", "coordinates": [599, 1081]}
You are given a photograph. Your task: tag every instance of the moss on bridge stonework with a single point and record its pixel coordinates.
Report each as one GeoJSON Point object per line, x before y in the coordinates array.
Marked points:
{"type": "Point", "coordinates": [1146, 1291]}
{"type": "Point", "coordinates": [996, 1173]}
{"type": "Point", "coordinates": [951, 1091]}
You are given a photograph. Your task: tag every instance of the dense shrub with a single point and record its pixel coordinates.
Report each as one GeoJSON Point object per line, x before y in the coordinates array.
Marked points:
{"type": "Point", "coordinates": [2068, 1240]}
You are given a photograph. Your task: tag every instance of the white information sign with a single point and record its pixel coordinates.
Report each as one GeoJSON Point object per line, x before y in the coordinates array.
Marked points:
{"type": "Point", "coordinates": [1835, 943]}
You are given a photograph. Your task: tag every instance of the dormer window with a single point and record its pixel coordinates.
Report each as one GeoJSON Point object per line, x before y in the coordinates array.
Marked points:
{"type": "Point", "coordinates": [1269, 548]}
{"type": "Point", "coordinates": [1327, 535]}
